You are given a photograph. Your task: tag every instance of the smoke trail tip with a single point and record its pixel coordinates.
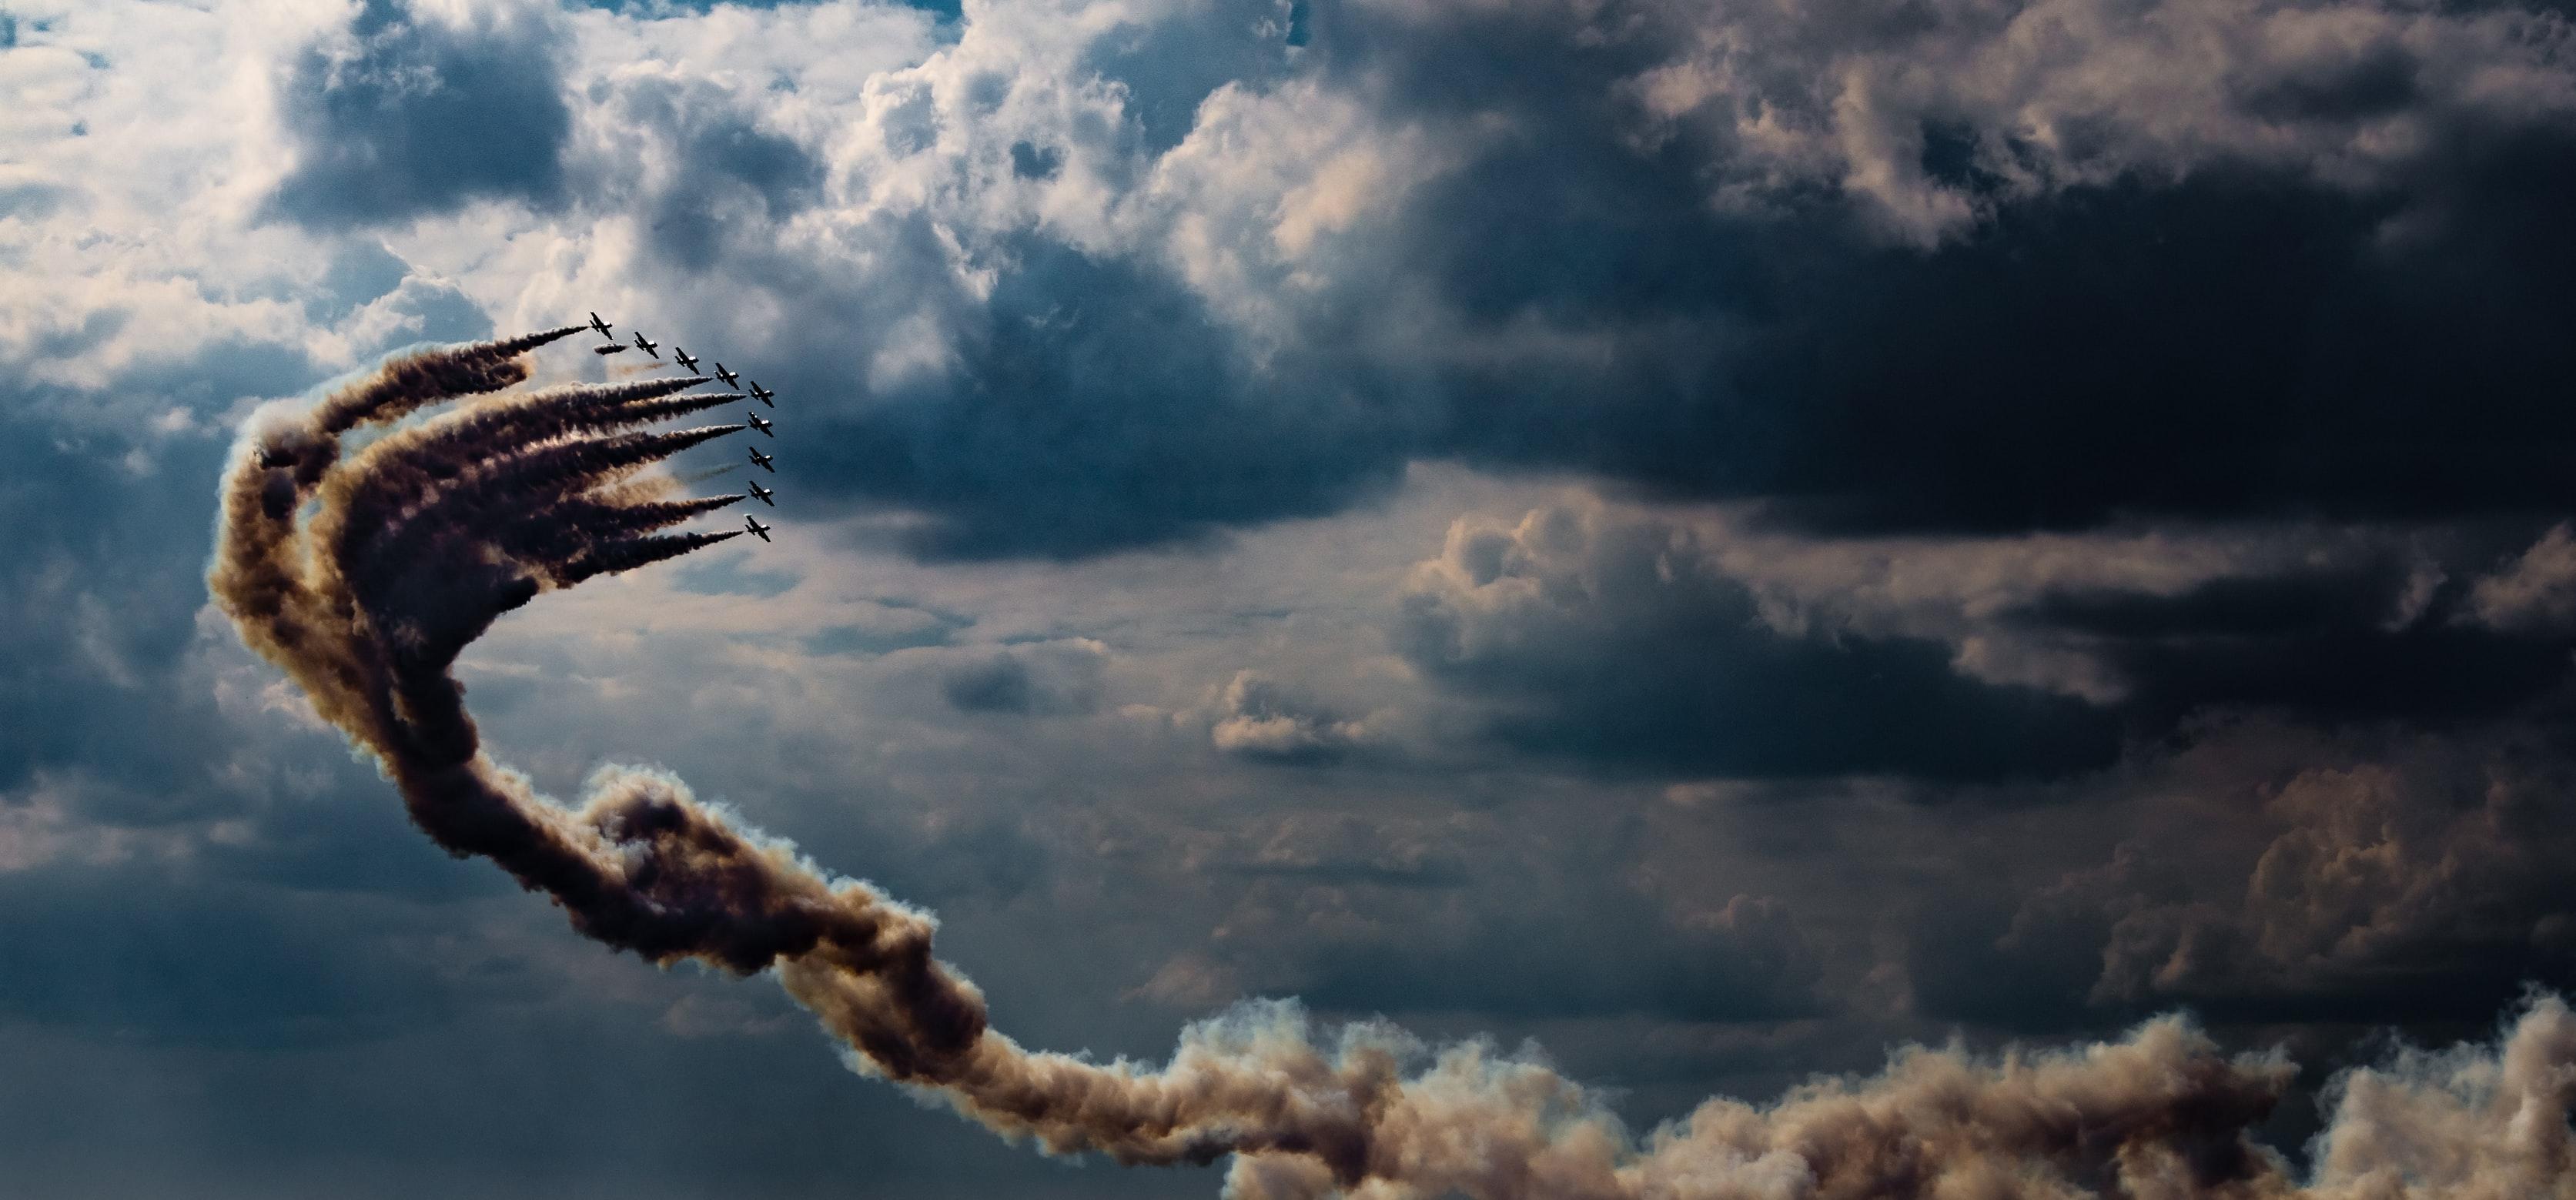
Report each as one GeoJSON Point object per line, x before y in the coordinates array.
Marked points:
{"type": "Point", "coordinates": [627, 554]}
{"type": "Point", "coordinates": [530, 341]}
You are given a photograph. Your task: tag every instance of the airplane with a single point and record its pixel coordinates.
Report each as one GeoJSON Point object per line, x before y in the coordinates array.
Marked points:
{"type": "Point", "coordinates": [611, 348]}
{"type": "Point", "coordinates": [764, 460]}
{"type": "Point", "coordinates": [652, 348]}
{"type": "Point", "coordinates": [729, 377]}
{"type": "Point", "coordinates": [763, 426]}
{"type": "Point", "coordinates": [763, 393]}
{"type": "Point", "coordinates": [686, 363]}
{"type": "Point", "coordinates": [757, 527]}
{"type": "Point", "coordinates": [601, 326]}
{"type": "Point", "coordinates": [762, 494]}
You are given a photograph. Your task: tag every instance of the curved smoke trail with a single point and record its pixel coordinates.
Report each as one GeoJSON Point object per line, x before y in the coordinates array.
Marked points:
{"type": "Point", "coordinates": [364, 574]}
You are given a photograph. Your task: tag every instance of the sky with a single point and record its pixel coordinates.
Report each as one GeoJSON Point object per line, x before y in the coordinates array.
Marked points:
{"type": "Point", "coordinates": [1699, 543]}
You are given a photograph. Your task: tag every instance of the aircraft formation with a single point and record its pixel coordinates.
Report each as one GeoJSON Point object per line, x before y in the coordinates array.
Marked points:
{"type": "Point", "coordinates": [733, 379]}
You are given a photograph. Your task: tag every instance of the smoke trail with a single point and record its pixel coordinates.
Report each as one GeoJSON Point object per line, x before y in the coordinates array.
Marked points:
{"type": "Point", "coordinates": [417, 543]}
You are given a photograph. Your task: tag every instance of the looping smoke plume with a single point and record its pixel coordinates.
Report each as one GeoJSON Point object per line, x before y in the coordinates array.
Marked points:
{"type": "Point", "coordinates": [364, 573]}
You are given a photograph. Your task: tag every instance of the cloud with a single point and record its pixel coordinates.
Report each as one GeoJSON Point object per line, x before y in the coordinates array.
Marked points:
{"type": "Point", "coordinates": [406, 113]}
{"type": "Point", "coordinates": [1745, 961]}
{"type": "Point", "coordinates": [213, 963]}
{"type": "Point", "coordinates": [1406, 909]}
{"type": "Point", "coordinates": [2410, 881]}
{"type": "Point", "coordinates": [1937, 119]}
{"type": "Point", "coordinates": [1614, 638]}
{"type": "Point", "coordinates": [1260, 720]}
{"type": "Point", "coordinates": [1663, 636]}
{"type": "Point", "coordinates": [1966, 272]}
{"type": "Point", "coordinates": [1040, 679]}
{"type": "Point", "coordinates": [708, 166]}
{"type": "Point", "coordinates": [2535, 592]}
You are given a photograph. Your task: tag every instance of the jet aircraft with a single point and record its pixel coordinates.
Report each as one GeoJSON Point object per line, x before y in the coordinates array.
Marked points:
{"type": "Point", "coordinates": [762, 494]}
{"type": "Point", "coordinates": [652, 348]}
{"type": "Point", "coordinates": [757, 527]}
{"type": "Point", "coordinates": [763, 394]}
{"type": "Point", "coordinates": [686, 363]}
{"type": "Point", "coordinates": [764, 460]}
{"type": "Point", "coordinates": [611, 348]}
{"type": "Point", "coordinates": [731, 379]}
{"type": "Point", "coordinates": [763, 426]}
{"type": "Point", "coordinates": [601, 326]}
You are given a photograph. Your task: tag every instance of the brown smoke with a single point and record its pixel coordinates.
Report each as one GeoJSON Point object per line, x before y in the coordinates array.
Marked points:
{"type": "Point", "coordinates": [364, 576]}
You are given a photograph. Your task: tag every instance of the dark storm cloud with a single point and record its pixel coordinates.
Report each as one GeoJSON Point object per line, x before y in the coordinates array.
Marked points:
{"type": "Point", "coordinates": [2243, 341]}
{"type": "Point", "coordinates": [1697, 644]}
{"type": "Point", "coordinates": [2411, 881]}
{"type": "Point", "coordinates": [2358, 640]}
{"type": "Point", "coordinates": [1615, 641]}
{"type": "Point", "coordinates": [2227, 348]}
{"type": "Point", "coordinates": [2206, 293]}
{"type": "Point", "coordinates": [2264, 872]}
{"type": "Point", "coordinates": [405, 115]}
{"type": "Point", "coordinates": [1096, 405]}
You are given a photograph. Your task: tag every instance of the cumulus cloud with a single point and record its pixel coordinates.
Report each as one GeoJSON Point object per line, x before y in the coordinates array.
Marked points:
{"type": "Point", "coordinates": [1260, 719]}
{"type": "Point", "coordinates": [409, 111]}
{"type": "Point", "coordinates": [2414, 880]}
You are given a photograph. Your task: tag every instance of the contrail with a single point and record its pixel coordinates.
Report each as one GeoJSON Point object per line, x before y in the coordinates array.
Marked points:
{"type": "Point", "coordinates": [363, 576]}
